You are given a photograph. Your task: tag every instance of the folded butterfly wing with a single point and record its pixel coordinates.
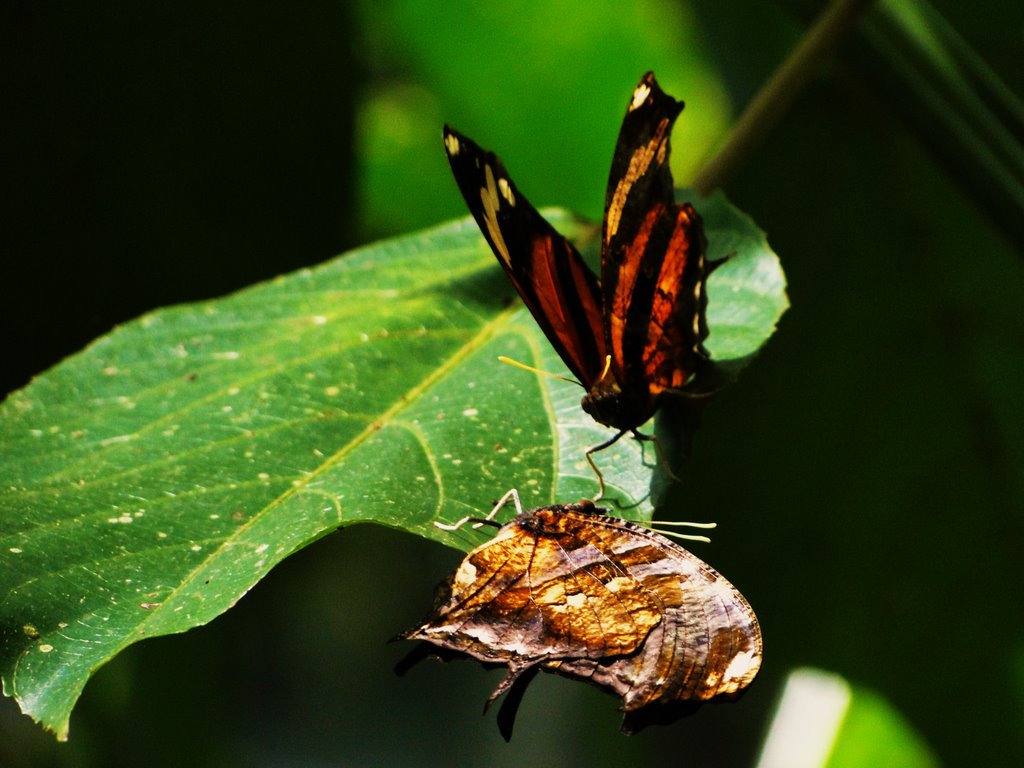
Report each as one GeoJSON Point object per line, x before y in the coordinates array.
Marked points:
{"type": "Point", "coordinates": [537, 591]}
{"type": "Point", "coordinates": [707, 646]}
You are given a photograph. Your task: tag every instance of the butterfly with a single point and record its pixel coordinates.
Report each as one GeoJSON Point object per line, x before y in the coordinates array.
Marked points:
{"type": "Point", "coordinates": [572, 590]}
{"type": "Point", "coordinates": [636, 334]}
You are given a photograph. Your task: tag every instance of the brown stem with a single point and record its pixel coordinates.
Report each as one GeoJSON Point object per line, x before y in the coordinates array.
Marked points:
{"type": "Point", "coordinates": [775, 96]}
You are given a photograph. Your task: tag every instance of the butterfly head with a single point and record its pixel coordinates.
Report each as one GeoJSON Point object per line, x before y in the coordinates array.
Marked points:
{"type": "Point", "coordinates": [606, 403]}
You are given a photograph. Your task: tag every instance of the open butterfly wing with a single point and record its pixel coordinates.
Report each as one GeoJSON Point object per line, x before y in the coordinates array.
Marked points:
{"type": "Point", "coordinates": [653, 255]}
{"type": "Point", "coordinates": [554, 282]}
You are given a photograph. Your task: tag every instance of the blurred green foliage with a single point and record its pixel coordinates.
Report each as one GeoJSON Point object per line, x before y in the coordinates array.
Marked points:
{"type": "Point", "coordinates": [865, 471]}
{"type": "Point", "coordinates": [873, 733]}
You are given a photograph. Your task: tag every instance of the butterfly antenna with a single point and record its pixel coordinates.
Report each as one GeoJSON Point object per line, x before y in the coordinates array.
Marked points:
{"type": "Point", "coordinates": [530, 368]}
{"type": "Point", "coordinates": [489, 519]}
{"type": "Point", "coordinates": [660, 526]}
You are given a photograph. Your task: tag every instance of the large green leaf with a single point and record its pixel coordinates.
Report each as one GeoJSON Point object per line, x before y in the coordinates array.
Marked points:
{"type": "Point", "coordinates": [151, 480]}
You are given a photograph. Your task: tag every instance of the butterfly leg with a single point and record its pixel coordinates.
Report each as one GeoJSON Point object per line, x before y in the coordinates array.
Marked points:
{"type": "Point", "coordinates": [659, 452]}
{"type": "Point", "coordinates": [593, 465]}
{"type": "Point", "coordinates": [516, 684]}
{"type": "Point", "coordinates": [489, 519]}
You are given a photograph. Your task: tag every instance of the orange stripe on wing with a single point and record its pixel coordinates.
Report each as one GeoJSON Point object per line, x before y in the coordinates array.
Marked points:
{"type": "Point", "coordinates": [621, 300]}
{"type": "Point", "coordinates": [676, 329]}
{"type": "Point", "coordinates": [564, 298]}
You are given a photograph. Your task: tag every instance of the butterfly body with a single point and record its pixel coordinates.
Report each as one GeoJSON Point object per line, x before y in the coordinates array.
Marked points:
{"type": "Point", "coordinates": [636, 334]}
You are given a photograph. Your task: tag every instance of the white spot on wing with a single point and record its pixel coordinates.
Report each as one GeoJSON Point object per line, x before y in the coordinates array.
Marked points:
{"type": "Point", "coordinates": [576, 601]}
{"type": "Point", "coordinates": [639, 96]}
{"type": "Point", "coordinates": [451, 143]}
{"type": "Point", "coordinates": [506, 191]}
{"type": "Point", "coordinates": [739, 668]}
{"type": "Point", "coordinates": [620, 582]}
{"type": "Point", "coordinates": [466, 573]}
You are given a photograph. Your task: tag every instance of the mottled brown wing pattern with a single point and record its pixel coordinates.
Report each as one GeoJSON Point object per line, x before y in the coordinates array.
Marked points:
{"type": "Point", "coordinates": [556, 285]}
{"type": "Point", "coordinates": [536, 591]}
{"type": "Point", "coordinates": [707, 646]}
{"type": "Point", "coordinates": [593, 597]}
{"type": "Point", "coordinates": [653, 265]}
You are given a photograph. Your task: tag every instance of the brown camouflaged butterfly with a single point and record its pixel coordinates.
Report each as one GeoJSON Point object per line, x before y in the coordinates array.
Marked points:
{"type": "Point", "coordinates": [638, 334]}
{"type": "Point", "coordinates": [572, 590]}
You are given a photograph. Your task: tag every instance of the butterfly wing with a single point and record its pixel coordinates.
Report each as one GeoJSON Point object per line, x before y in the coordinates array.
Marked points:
{"type": "Point", "coordinates": [653, 264]}
{"type": "Point", "coordinates": [707, 646]}
{"type": "Point", "coordinates": [554, 282]}
{"type": "Point", "coordinates": [597, 598]}
{"type": "Point", "coordinates": [537, 591]}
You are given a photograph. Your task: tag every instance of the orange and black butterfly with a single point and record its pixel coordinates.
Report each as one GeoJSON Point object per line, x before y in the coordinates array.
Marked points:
{"type": "Point", "coordinates": [636, 334]}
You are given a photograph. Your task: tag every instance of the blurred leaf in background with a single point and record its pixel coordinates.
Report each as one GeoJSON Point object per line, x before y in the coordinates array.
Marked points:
{"type": "Point", "coordinates": [544, 85]}
{"type": "Point", "coordinates": [822, 720]}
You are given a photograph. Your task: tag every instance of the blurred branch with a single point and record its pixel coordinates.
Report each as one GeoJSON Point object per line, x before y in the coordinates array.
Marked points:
{"type": "Point", "coordinates": [948, 97]}
{"type": "Point", "coordinates": [955, 105]}
{"type": "Point", "coordinates": [774, 98]}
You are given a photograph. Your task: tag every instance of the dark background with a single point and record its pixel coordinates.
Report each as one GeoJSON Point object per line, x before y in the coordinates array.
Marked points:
{"type": "Point", "coordinates": [865, 470]}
